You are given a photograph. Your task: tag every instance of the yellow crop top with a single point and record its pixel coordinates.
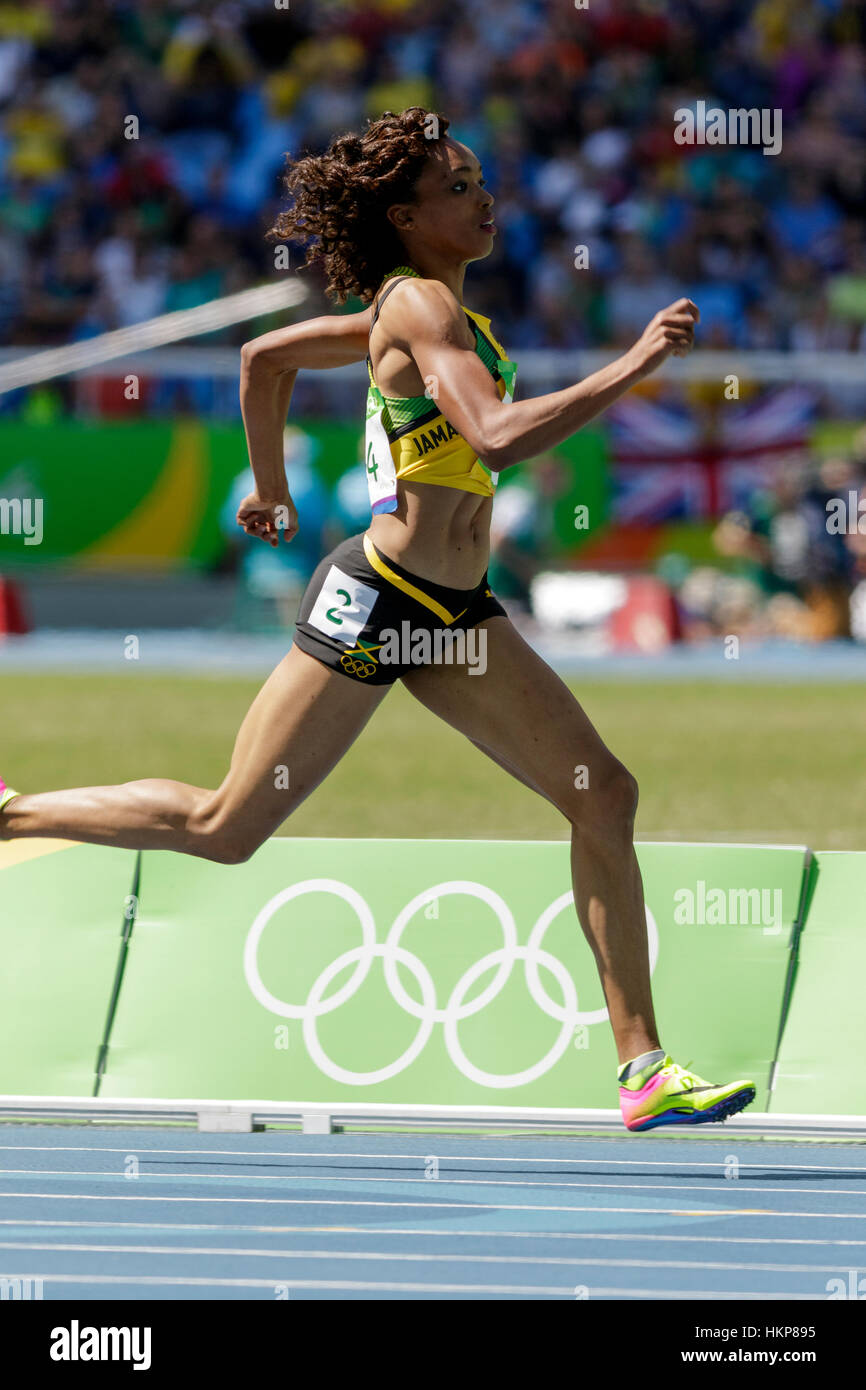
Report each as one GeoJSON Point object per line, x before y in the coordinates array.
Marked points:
{"type": "Point", "coordinates": [409, 437]}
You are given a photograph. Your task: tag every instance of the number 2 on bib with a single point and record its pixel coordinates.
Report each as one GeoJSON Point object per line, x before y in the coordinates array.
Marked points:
{"type": "Point", "coordinates": [332, 612]}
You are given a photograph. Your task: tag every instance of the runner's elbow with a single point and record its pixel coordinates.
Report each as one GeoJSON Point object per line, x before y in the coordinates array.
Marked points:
{"type": "Point", "coordinates": [498, 453]}
{"type": "Point", "coordinates": [265, 357]}
{"type": "Point", "coordinates": [252, 358]}
{"type": "Point", "coordinates": [499, 445]}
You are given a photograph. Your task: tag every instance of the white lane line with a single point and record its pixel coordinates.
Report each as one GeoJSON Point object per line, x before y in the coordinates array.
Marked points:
{"type": "Point", "coordinates": [259, 1154]}
{"type": "Point", "coordinates": [211, 1250]}
{"type": "Point", "coordinates": [538, 1290]}
{"type": "Point", "coordinates": [371, 1231]}
{"type": "Point", "coordinates": [345, 1178]}
{"type": "Point", "coordinates": [441, 1206]}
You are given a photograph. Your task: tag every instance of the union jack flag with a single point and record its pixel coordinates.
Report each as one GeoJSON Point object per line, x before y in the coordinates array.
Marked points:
{"type": "Point", "coordinates": [673, 462]}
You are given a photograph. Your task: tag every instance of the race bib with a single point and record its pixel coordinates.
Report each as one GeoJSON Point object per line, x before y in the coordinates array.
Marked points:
{"type": "Point", "coordinates": [381, 474]}
{"type": "Point", "coordinates": [343, 606]}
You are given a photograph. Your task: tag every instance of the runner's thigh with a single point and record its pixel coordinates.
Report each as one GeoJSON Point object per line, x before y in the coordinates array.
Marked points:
{"type": "Point", "coordinates": [520, 712]}
{"type": "Point", "coordinates": [297, 729]}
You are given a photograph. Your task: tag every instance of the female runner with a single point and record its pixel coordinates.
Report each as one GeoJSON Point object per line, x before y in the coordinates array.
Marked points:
{"type": "Point", "coordinates": [396, 214]}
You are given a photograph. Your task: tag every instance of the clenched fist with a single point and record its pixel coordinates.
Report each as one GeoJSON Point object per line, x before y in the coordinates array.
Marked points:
{"type": "Point", "coordinates": [264, 517]}
{"type": "Point", "coordinates": [670, 331]}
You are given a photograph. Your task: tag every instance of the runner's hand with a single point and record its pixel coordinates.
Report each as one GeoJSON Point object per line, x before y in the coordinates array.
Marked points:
{"type": "Point", "coordinates": [264, 518]}
{"type": "Point", "coordinates": [671, 331]}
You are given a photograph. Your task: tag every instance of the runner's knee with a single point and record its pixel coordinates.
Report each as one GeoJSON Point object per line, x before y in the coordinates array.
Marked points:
{"type": "Point", "coordinates": [607, 801]}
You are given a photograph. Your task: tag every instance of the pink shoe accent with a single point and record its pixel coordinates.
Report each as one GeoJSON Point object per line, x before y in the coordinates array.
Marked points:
{"type": "Point", "coordinates": [635, 1097]}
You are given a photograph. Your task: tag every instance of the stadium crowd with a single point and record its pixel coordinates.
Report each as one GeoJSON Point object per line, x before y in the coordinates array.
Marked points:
{"type": "Point", "coordinates": [105, 221]}
{"type": "Point", "coordinates": [142, 142]}
{"type": "Point", "coordinates": [796, 559]}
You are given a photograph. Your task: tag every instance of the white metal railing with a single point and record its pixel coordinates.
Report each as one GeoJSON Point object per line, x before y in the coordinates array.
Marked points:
{"type": "Point", "coordinates": [538, 366]}
{"type": "Point", "coordinates": [240, 1116]}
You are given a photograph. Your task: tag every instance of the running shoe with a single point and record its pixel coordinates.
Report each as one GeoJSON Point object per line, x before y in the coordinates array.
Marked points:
{"type": "Point", "coordinates": [664, 1093]}
{"type": "Point", "coordinates": [6, 794]}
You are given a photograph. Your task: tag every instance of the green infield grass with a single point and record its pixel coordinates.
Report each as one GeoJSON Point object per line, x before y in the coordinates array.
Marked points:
{"type": "Point", "coordinates": [754, 763]}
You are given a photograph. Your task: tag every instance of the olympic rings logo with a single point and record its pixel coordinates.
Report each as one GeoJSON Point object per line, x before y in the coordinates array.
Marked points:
{"type": "Point", "coordinates": [361, 669]}
{"type": "Point", "coordinates": [428, 1014]}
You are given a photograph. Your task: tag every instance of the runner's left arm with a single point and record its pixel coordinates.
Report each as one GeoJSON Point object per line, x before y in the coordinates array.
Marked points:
{"type": "Point", "coordinates": [269, 366]}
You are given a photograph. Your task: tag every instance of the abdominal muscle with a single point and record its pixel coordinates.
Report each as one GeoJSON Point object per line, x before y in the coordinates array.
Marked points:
{"type": "Point", "coordinates": [437, 533]}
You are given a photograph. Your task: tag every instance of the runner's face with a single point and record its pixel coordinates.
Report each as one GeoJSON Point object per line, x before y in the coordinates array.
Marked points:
{"type": "Point", "coordinates": [452, 213]}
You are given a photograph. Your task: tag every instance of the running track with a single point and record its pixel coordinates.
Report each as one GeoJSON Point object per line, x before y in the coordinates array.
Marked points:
{"type": "Point", "coordinates": [354, 1216]}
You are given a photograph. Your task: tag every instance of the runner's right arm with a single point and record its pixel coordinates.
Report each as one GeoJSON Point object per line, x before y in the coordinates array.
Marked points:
{"type": "Point", "coordinates": [269, 366]}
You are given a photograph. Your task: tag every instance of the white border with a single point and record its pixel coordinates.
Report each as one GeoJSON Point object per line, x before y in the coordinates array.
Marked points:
{"type": "Point", "coordinates": [318, 1117]}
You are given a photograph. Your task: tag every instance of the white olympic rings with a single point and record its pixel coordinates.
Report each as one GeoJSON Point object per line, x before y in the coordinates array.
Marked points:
{"type": "Point", "coordinates": [428, 1014]}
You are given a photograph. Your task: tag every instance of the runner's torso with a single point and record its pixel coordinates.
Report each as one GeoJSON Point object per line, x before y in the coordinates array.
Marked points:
{"type": "Point", "coordinates": [431, 496]}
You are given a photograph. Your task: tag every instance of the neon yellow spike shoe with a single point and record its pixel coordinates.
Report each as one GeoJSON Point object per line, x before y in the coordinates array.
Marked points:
{"type": "Point", "coordinates": [664, 1093]}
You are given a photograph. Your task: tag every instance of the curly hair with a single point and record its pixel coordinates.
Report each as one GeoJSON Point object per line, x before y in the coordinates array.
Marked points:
{"type": "Point", "coordinates": [340, 199]}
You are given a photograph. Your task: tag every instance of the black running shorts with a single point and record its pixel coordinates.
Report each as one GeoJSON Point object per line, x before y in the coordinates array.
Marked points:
{"type": "Point", "coordinates": [364, 615]}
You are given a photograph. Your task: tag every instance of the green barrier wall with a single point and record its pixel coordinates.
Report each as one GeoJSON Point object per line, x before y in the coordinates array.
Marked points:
{"type": "Point", "coordinates": [149, 493]}
{"type": "Point", "coordinates": [820, 1067]}
{"type": "Point", "coordinates": [437, 973]}
{"type": "Point", "coordinates": [419, 972]}
{"type": "Point", "coordinates": [61, 920]}
{"type": "Point", "coordinates": [144, 494]}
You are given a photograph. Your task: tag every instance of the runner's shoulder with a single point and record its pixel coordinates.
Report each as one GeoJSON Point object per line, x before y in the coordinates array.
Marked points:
{"type": "Point", "coordinates": [425, 307]}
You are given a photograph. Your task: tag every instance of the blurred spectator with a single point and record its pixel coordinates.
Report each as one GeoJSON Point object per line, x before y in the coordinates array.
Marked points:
{"type": "Point", "coordinates": [572, 112]}
{"type": "Point", "coordinates": [790, 555]}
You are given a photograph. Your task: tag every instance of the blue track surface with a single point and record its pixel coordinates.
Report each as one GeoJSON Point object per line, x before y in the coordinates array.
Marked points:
{"type": "Point", "coordinates": [397, 1216]}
